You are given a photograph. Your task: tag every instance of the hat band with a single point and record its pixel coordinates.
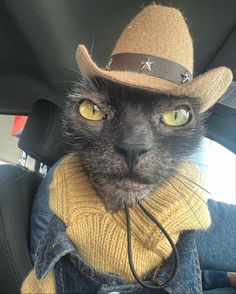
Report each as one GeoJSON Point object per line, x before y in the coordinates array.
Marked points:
{"type": "Point", "coordinates": [150, 65]}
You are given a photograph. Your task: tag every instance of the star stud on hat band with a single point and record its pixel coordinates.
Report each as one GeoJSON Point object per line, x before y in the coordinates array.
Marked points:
{"type": "Point", "coordinates": [185, 77]}
{"type": "Point", "coordinates": [146, 65]}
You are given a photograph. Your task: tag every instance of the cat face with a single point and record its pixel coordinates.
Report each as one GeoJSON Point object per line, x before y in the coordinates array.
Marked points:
{"type": "Point", "coordinates": [130, 141]}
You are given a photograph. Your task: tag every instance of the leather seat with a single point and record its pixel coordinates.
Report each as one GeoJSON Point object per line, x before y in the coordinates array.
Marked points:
{"type": "Point", "coordinates": [17, 189]}
{"type": "Point", "coordinates": [41, 139]}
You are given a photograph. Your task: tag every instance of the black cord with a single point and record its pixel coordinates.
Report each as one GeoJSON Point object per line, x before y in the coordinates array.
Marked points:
{"type": "Point", "coordinates": [131, 264]}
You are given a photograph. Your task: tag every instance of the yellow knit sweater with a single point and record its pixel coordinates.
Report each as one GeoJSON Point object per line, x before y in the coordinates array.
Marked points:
{"type": "Point", "coordinates": [101, 236]}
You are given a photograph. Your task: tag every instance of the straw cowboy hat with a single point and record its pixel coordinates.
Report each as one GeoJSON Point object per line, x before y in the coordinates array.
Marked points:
{"type": "Point", "coordinates": [155, 52]}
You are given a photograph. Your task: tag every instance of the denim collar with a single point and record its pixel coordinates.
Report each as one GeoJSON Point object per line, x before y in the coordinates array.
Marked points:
{"type": "Point", "coordinates": [55, 244]}
{"type": "Point", "coordinates": [52, 247]}
{"type": "Point", "coordinates": [188, 279]}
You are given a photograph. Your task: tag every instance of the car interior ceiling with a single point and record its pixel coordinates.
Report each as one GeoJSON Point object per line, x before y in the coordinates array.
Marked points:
{"type": "Point", "coordinates": [37, 57]}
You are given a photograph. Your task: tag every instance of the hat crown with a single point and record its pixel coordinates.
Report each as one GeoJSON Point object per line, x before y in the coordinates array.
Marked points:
{"type": "Point", "coordinates": [158, 31]}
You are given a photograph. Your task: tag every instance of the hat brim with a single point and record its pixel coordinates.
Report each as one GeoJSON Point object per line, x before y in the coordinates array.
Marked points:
{"type": "Point", "coordinates": [208, 87]}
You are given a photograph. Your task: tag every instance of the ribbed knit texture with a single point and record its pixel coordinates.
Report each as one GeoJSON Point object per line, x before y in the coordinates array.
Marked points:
{"type": "Point", "coordinates": [33, 286]}
{"type": "Point", "coordinates": [101, 236]}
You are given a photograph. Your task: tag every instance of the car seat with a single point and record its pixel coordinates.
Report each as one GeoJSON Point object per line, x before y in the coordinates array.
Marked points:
{"type": "Point", "coordinates": [42, 140]}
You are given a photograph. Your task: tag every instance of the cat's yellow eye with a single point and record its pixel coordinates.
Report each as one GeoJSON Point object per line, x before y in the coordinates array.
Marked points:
{"type": "Point", "coordinates": [176, 117]}
{"type": "Point", "coordinates": [91, 111]}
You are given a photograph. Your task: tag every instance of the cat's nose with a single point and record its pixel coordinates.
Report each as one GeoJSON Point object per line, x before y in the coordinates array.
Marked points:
{"type": "Point", "coordinates": [132, 152]}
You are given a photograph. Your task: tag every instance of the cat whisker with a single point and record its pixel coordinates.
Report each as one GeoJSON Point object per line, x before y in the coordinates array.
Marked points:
{"type": "Point", "coordinates": [92, 46]}
{"type": "Point", "coordinates": [194, 162]}
{"type": "Point", "coordinates": [194, 183]}
{"type": "Point", "coordinates": [188, 187]}
{"type": "Point", "coordinates": [176, 171]}
{"type": "Point", "coordinates": [191, 208]}
{"type": "Point", "coordinates": [71, 69]}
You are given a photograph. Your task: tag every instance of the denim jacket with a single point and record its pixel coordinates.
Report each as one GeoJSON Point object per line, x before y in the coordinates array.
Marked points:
{"type": "Point", "coordinates": [215, 256]}
{"type": "Point", "coordinates": [73, 274]}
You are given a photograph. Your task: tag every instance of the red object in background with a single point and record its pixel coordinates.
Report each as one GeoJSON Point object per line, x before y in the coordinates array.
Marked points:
{"type": "Point", "coordinates": [18, 125]}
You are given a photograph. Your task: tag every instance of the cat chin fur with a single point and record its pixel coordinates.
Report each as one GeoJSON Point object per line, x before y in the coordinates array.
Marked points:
{"type": "Point", "coordinates": [114, 199]}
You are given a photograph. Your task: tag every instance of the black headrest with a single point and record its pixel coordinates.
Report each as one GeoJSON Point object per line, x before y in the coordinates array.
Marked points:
{"type": "Point", "coordinates": [42, 134]}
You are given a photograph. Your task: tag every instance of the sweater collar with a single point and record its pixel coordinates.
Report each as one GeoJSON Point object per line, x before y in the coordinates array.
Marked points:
{"type": "Point", "coordinates": [178, 205]}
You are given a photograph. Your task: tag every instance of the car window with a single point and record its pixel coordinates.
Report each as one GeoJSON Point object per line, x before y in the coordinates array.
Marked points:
{"type": "Point", "coordinates": [218, 166]}
{"type": "Point", "coordinates": [10, 130]}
